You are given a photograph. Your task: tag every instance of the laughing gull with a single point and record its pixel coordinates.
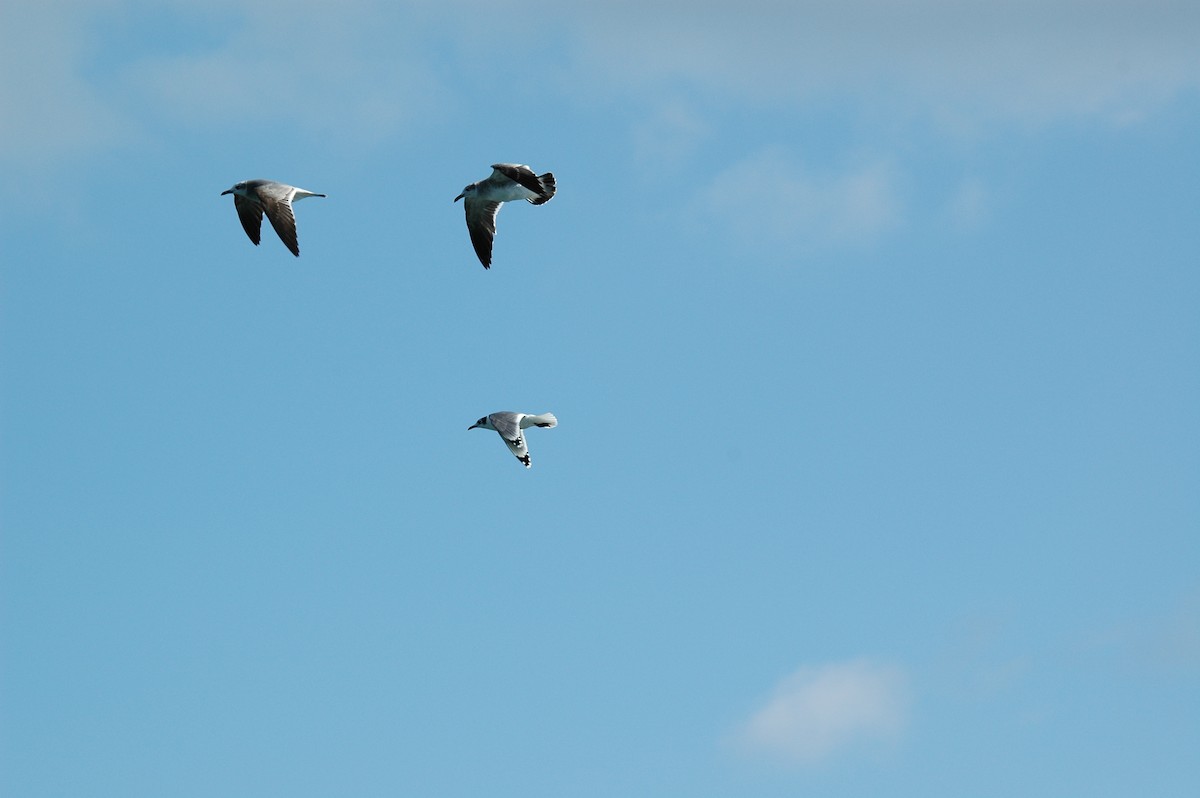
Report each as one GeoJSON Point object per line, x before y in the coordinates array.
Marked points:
{"type": "Point", "coordinates": [509, 181]}
{"type": "Point", "coordinates": [509, 425]}
{"type": "Point", "coordinates": [252, 198]}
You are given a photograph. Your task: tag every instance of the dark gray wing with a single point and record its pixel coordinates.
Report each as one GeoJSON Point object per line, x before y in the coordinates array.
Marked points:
{"type": "Point", "coordinates": [520, 173]}
{"type": "Point", "coordinates": [280, 214]}
{"type": "Point", "coordinates": [250, 212]}
{"type": "Point", "coordinates": [481, 223]}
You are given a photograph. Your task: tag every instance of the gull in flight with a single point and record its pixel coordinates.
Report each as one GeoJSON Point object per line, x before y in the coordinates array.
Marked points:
{"type": "Point", "coordinates": [508, 181]}
{"type": "Point", "coordinates": [252, 198]}
{"type": "Point", "coordinates": [509, 425]}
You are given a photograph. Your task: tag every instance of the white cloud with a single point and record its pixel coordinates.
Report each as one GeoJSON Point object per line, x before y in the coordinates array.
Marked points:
{"type": "Point", "coordinates": [343, 69]}
{"type": "Point", "coordinates": [79, 76]}
{"type": "Point", "coordinates": [669, 135]}
{"type": "Point", "coordinates": [818, 712]}
{"type": "Point", "coordinates": [47, 108]}
{"type": "Point", "coordinates": [770, 200]}
{"type": "Point", "coordinates": [367, 69]}
{"type": "Point", "coordinates": [1162, 641]}
{"type": "Point", "coordinates": [968, 207]}
{"type": "Point", "coordinates": [980, 59]}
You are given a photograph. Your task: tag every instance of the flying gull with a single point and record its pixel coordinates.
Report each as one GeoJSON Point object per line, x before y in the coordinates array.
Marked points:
{"type": "Point", "coordinates": [252, 198]}
{"type": "Point", "coordinates": [508, 181]}
{"type": "Point", "coordinates": [509, 425]}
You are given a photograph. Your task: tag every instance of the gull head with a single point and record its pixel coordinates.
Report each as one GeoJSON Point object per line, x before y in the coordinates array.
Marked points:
{"type": "Point", "coordinates": [466, 192]}
{"type": "Point", "coordinates": [238, 188]}
{"type": "Point", "coordinates": [482, 423]}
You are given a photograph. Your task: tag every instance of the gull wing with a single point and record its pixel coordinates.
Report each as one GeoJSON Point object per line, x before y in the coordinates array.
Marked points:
{"type": "Point", "coordinates": [250, 212]}
{"type": "Point", "coordinates": [481, 223]}
{"type": "Point", "coordinates": [519, 173]}
{"type": "Point", "coordinates": [509, 427]}
{"type": "Point", "coordinates": [279, 211]}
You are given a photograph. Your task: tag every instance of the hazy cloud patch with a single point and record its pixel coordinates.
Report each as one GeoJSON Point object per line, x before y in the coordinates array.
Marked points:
{"type": "Point", "coordinates": [772, 200]}
{"type": "Point", "coordinates": [1159, 642]}
{"type": "Point", "coordinates": [366, 69]}
{"type": "Point", "coordinates": [326, 68]}
{"type": "Point", "coordinates": [969, 205]}
{"type": "Point", "coordinates": [818, 712]}
{"type": "Point", "coordinates": [669, 135]}
{"type": "Point", "coordinates": [79, 77]}
{"type": "Point", "coordinates": [48, 109]}
{"type": "Point", "coordinates": [978, 59]}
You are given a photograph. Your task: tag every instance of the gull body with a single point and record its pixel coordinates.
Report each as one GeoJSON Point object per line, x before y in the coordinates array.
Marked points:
{"type": "Point", "coordinates": [510, 425]}
{"type": "Point", "coordinates": [481, 201]}
{"type": "Point", "coordinates": [253, 198]}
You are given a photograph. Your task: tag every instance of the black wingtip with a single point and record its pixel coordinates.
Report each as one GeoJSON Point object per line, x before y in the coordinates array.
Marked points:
{"type": "Point", "coordinates": [548, 186]}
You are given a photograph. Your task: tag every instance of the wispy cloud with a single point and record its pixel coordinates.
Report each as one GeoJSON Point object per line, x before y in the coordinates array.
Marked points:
{"type": "Point", "coordinates": [1027, 59]}
{"type": "Point", "coordinates": [968, 206]}
{"type": "Point", "coordinates": [1162, 641]}
{"type": "Point", "coordinates": [771, 200]}
{"type": "Point", "coordinates": [369, 69]}
{"type": "Point", "coordinates": [48, 109]}
{"type": "Point", "coordinates": [348, 70]}
{"type": "Point", "coordinates": [669, 135]}
{"type": "Point", "coordinates": [78, 77]}
{"type": "Point", "coordinates": [818, 712]}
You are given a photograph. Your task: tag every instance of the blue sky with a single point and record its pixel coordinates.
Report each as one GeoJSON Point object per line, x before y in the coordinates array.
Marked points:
{"type": "Point", "coordinates": [872, 334]}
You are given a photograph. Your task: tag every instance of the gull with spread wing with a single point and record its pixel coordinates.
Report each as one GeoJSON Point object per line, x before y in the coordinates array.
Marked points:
{"type": "Point", "coordinates": [508, 181]}
{"type": "Point", "coordinates": [510, 426]}
{"type": "Point", "coordinates": [253, 198]}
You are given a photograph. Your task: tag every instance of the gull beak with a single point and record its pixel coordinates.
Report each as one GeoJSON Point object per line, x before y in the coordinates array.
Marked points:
{"type": "Point", "coordinates": [473, 426]}
{"type": "Point", "coordinates": [460, 196]}
{"type": "Point", "coordinates": [226, 191]}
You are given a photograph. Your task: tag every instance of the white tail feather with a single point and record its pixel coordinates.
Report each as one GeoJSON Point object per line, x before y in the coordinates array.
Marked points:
{"type": "Point", "coordinates": [543, 420]}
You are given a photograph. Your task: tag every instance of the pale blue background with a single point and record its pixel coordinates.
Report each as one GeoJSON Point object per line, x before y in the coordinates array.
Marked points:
{"type": "Point", "coordinates": [873, 332]}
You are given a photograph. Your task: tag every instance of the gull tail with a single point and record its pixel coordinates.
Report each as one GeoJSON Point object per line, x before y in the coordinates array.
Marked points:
{"type": "Point", "coordinates": [548, 188]}
{"type": "Point", "coordinates": [544, 420]}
